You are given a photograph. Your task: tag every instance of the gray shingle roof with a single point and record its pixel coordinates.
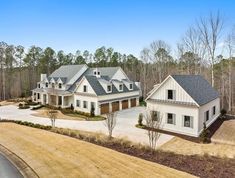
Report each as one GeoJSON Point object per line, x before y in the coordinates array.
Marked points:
{"type": "Point", "coordinates": [95, 84]}
{"type": "Point", "coordinates": [66, 71]}
{"type": "Point", "coordinates": [104, 71]}
{"type": "Point", "coordinates": [197, 87]}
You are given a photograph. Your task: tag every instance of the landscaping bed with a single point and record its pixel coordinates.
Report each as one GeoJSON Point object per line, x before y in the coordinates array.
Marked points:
{"type": "Point", "coordinates": [202, 166]}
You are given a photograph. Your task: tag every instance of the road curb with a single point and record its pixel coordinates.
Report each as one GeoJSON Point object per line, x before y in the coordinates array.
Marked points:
{"type": "Point", "coordinates": [19, 163]}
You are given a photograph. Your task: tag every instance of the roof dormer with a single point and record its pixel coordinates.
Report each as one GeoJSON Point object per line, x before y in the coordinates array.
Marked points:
{"type": "Point", "coordinates": [129, 84]}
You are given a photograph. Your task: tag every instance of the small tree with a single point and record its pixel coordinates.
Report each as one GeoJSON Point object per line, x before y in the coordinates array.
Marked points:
{"type": "Point", "coordinates": [140, 119]}
{"type": "Point", "coordinates": [110, 123]}
{"type": "Point", "coordinates": [153, 123]}
{"type": "Point", "coordinates": [52, 114]}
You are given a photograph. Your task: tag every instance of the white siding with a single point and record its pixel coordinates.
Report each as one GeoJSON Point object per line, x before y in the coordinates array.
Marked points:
{"type": "Point", "coordinates": [89, 99]}
{"type": "Point", "coordinates": [179, 112]}
{"type": "Point", "coordinates": [89, 88]}
{"type": "Point", "coordinates": [171, 84]}
{"type": "Point", "coordinates": [206, 107]}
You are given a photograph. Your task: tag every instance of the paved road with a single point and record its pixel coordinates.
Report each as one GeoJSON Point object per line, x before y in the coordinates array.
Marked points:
{"type": "Point", "coordinates": [125, 127]}
{"type": "Point", "coordinates": [7, 169]}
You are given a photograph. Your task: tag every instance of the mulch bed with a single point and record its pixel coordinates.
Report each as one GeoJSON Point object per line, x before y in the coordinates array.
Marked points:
{"type": "Point", "coordinates": [202, 166]}
{"type": "Point", "coordinates": [212, 129]}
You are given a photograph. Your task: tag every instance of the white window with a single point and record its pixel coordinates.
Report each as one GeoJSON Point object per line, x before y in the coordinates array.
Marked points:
{"type": "Point", "coordinates": [170, 118]}
{"type": "Point", "coordinates": [60, 85]}
{"type": "Point", "coordinates": [84, 104]}
{"type": "Point", "coordinates": [46, 84]}
{"type": "Point", "coordinates": [78, 103]}
{"type": "Point", "coordinates": [109, 88]}
{"type": "Point", "coordinates": [84, 88]}
{"type": "Point", "coordinates": [214, 110]}
{"type": "Point", "coordinates": [207, 114]}
{"type": "Point", "coordinates": [170, 94]}
{"type": "Point", "coordinates": [188, 121]}
{"type": "Point", "coordinates": [39, 85]}
{"type": "Point", "coordinates": [120, 87]}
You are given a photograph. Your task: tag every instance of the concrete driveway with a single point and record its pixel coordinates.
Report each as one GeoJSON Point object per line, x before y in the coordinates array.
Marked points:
{"type": "Point", "coordinates": [125, 127]}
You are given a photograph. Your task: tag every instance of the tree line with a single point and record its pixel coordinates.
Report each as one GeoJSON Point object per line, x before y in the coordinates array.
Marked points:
{"type": "Point", "coordinates": [197, 53]}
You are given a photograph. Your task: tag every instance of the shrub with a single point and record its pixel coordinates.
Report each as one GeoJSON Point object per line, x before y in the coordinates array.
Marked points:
{"type": "Point", "coordinates": [204, 136]}
{"type": "Point", "coordinates": [71, 107]}
{"type": "Point", "coordinates": [73, 134]}
{"type": "Point", "coordinates": [140, 119]}
{"type": "Point", "coordinates": [223, 112]}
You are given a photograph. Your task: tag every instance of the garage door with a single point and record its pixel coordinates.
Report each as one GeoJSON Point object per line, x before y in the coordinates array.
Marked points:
{"type": "Point", "coordinates": [104, 108]}
{"type": "Point", "coordinates": [124, 104]}
{"type": "Point", "coordinates": [115, 106]}
{"type": "Point", "coordinates": [133, 102]}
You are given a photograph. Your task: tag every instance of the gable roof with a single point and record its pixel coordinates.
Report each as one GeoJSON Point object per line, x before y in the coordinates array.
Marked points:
{"type": "Point", "coordinates": [67, 72]}
{"type": "Point", "coordinates": [197, 87]}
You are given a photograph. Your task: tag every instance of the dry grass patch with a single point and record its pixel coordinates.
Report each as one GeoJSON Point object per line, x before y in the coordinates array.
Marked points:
{"type": "Point", "coordinates": [42, 112]}
{"type": "Point", "coordinates": [181, 146]}
{"type": "Point", "coordinates": [226, 133]}
{"type": "Point", "coordinates": [55, 155]}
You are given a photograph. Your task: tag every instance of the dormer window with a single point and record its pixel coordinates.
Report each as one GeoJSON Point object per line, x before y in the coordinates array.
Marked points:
{"type": "Point", "coordinates": [131, 86]}
{"type": "Point", "coordinates": [39, 85]}
{"type": "Point", "coordinates": [94, 72]}
{"type": "Point", "coordinates": [120, 87]}
{"type": "Point", "coordinates": [60, 85]}
{"type": "Point", "coordinates": [98, 73]}
{"type": "Point", "coordinates": [170, 94]}
{"type": "Point", "coordinates": [109, 88]}
{"type": "Point", "coordinates": [46, 84]}
{"type": "Point", "coordinates": [53, 85]}
{"type": "Point", "coordinates": [84, 88]}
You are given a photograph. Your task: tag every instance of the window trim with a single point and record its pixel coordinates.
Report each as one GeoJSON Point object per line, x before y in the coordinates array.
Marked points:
{"type": "Point", "coordinates": [85, 88]}
{"type": "Point", "coordinates": [214, 110]}
{"type": "Point", "coordinates": [85, 104]}
{"type": "Point", "coordinates": [78, 103]}
{"type": "Point", "coordinates": [131, 86]}
{"type": "Point", "coordinates": [173, 118]}
{"type": "Point", "coordinates": [120, 85]}
{"type": "Point", "coordinates": [190, 121]}
{"type": "Point", "coordinates": [46, 84]}
{"type": "Point", "coordinates": [60, 85]}
{"type": "Point", "coordinates": [207, 113]}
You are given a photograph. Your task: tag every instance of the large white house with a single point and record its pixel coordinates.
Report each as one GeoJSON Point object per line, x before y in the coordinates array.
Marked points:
{"type": "Point", "coordinates": [184, 103]}
{"type": "Point", "coordinates": [106, 89]}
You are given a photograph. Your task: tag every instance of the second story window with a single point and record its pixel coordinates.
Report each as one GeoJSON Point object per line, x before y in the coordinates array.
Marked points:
{"type": "Point", "coordinates": [60, 85]}
{"type": "Point", "coordinates": [170, 94]}
{"type": "Point", "coordinates": [131, 86]}
{"type": "Point", "coordinates": [109, 88]}
{"type": "Point", "coordinates": [39, 85]}
{"type": "Point", "coordinates": [46, 84]}
{"type": "Point", "coordinates": [120, 87]}
{"type": "Point", "coordinates": [84, 88]}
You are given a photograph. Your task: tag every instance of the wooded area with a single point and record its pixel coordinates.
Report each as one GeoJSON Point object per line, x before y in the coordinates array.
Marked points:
{"type": "Point", "coordinates": [197, 53]}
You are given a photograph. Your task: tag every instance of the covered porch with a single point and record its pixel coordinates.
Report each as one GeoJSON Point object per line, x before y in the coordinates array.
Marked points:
{"type": "Point", "coordinates": [63, 101]}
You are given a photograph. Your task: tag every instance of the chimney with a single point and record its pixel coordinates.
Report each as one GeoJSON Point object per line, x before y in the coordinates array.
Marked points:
{"type": "Point", "coordinates": [43, 77]}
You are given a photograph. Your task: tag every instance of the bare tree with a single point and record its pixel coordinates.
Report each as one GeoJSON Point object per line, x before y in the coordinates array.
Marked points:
{"type": "Point", "coordinates": [110, 122]}
{"type": "Point", "coordinates": [52, 114]}
{"type": "Point", "coordinates": [153, 123]}
{"type": "Point", "coordinates": [210, 29]}
{"type": "Point", "coordinates": [145, 56]}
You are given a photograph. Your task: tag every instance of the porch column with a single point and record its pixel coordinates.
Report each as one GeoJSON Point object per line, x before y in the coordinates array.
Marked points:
{"type": "Point", "coordinates": [62, 102]}
{"type": "Point", "coordinates": [57, 99]}
{"type": "Point", "coordinates": [47, 99]}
